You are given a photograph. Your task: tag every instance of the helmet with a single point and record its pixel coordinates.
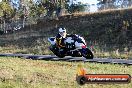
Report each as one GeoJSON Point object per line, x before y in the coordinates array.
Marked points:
{"type": "Point", "coordinates": [62, 30]}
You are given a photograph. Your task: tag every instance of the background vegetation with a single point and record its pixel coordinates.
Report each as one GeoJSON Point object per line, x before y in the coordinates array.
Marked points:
{"type": "Point", "coordinates": [107, 33]}
{"type": "Point", "coordinates": [26, 24]}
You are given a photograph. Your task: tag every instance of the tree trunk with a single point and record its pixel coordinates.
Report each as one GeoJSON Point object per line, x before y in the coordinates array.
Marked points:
{"type": "Point", "coordinates": [4, 27]}
{"type": "Point", "coordinates": [23, 24]}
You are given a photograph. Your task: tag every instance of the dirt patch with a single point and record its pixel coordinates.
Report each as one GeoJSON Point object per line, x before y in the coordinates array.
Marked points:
{"type": "Point", "coordinates": [6, 74]}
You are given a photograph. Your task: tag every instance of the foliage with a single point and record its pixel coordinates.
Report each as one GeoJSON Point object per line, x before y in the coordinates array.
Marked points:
{"type": "Point", "coordinates": [76, 7]}
{"type": "Point", "coordinates": [6, 11]}
{"type": "Point", "coordinates": [113, 4]}
{"type": "Point", "coordinates": [36, 10]}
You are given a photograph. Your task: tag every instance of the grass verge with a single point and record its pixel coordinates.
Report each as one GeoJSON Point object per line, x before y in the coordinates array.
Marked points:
{"type": "Point", "coordinates": [26, 73]}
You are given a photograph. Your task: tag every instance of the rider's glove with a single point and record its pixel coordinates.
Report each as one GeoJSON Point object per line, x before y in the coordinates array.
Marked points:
{"type": "Point", "coordinates": [59, 42]}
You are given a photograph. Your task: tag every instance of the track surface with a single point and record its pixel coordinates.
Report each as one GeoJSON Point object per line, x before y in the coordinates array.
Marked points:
{"type": "Point", "coordinates": [68, 58]}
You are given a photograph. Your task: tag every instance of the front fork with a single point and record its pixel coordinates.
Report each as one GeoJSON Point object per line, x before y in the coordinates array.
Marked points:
{"type": "Point", "coordinates": [55, 50]}
{"type": "Point", "coordinates": [83, 51]}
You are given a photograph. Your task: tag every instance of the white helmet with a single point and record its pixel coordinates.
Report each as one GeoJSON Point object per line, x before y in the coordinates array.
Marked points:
{"type": "Point", "coordinates": [62, 30]}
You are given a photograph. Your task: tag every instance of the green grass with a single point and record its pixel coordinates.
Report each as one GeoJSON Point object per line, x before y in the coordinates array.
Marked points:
{"type": "Point", "coordinates": [26, 73]}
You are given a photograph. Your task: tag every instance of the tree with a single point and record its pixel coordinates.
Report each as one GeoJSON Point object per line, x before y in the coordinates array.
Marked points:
{"type": "Point", "coordinates": [113, 4]}
{"type": "Point", "coordinates": [76, 7]}
{"type": "Point", "coordinates": [106, 4]}
{"type": "Point", "coordinates": [6, 12]}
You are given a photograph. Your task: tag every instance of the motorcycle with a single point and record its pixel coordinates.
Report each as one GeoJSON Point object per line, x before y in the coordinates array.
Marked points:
{"type": "Point", "coordinates": [75, 46]}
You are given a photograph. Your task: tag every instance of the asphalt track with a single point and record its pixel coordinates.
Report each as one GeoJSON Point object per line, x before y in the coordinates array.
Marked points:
{"type": "Point", "coordinates": [70, 59]}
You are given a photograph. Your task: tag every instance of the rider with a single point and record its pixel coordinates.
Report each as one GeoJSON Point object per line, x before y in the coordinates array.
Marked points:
{"type": "Point", "coordinates": [60, 38]}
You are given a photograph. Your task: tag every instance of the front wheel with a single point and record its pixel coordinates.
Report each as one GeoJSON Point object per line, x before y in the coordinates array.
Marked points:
{"type": "Point", "coordinates": [56, 51]}
{"type": "Point", "coordinates": [88, 54]}
{"type": "Point", "coordinates": [60, 55]}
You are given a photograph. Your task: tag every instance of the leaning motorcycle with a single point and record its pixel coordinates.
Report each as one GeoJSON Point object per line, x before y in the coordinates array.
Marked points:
{"type": "Point", "coordinates": [75, 46]}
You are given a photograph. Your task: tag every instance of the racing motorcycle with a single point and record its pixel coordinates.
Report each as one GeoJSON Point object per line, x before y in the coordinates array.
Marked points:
{"type": "Point", "coordinates": [75, 46]}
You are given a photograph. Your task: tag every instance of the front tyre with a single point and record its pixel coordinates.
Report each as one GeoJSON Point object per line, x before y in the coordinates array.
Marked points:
{"type": "Point", "coordinates": [60, 55]}
{"type": "Point", "coordinates": [56, 51]}
{"type": "Point", "coordinates": [87, 54]}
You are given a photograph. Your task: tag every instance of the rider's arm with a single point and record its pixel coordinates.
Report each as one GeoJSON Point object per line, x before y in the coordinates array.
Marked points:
{"type": "Point", "coordinates": [59, 41]}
